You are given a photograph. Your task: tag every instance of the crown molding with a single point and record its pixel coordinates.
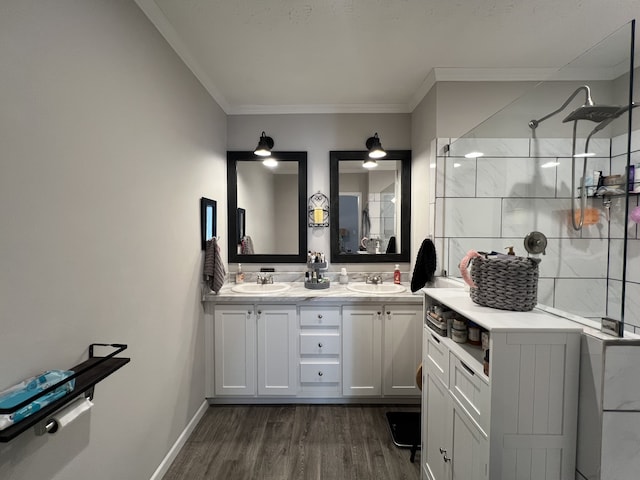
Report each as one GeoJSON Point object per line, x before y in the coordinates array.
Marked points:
{"type": "Point", "coordinates": [157, 17]}
{"type": "Point", "coordinates": [319, 108]}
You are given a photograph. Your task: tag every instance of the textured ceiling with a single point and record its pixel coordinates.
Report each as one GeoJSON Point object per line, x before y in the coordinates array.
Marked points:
{"type": "Point", "coordinates": [372, 55]}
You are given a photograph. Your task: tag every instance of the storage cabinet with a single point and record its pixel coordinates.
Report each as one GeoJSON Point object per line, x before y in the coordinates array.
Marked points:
{"type": "Point", "coordinates": [518, 422]}
{"type": "Point", "coordinates": [277, 337]}
{"type": "Point", "coordinates": [320, 349]}
{"type": "Point", "coordinates": [255, 350]}
{"type": "Point", "coordinates": [362, 351]}
{"type": "Point", "coordinates": [402, 349]}
{"type": "Point", "coordinates": [235, 350]}
{"type": "Point", "coordinates": [313, 351]}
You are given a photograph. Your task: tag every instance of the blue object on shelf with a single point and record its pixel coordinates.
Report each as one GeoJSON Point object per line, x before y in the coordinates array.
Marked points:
{"type": "Point", "coordinates": [30, 388]}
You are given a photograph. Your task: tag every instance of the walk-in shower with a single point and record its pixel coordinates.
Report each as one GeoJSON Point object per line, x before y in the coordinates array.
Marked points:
{"type": "Point", "coordinates": [603, 115]}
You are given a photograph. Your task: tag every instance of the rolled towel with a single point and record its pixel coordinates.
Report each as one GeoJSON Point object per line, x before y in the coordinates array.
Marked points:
{"type": "Point", "coordinates": [214, 271]}
{"type": "Point", "coordinates": [425, 265]}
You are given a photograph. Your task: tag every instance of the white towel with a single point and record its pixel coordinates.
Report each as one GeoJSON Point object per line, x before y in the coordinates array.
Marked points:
{"type": "Point", "coordinates": [214, 271]}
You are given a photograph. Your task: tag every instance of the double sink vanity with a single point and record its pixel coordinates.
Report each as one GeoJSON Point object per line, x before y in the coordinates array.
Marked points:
{"type": "Point", "coordinates": [282, 342]}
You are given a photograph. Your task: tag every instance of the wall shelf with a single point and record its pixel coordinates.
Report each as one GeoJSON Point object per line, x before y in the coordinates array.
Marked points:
{"type": "Point", "coordinates": [86, 375]}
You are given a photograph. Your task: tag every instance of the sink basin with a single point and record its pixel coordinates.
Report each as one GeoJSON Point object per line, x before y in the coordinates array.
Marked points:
{"type": "Point", "coordinates": [260, 289]}
{"type": "Point", "coordinates": [383, 288]}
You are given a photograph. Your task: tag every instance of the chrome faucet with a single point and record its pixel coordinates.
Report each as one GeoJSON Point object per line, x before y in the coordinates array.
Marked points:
{"type": "Point", "coordinates": [264, 279]}
{"type": "Point", "coordinates": [374, 279]}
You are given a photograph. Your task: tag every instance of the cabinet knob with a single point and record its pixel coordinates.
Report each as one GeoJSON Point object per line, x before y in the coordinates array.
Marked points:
{"type": "Point", "coordinates": [320, 345]}
{"type": "Point", "coordinates": [320, 316]}
{"type": "Point", "coordinates": [388, 313]}
{"type": "Point", "coordinates": [259, 312]}
{"type": "Point", "coordinates": [379, 313]}
{"type": "Point", "coordinates": [320, 373]}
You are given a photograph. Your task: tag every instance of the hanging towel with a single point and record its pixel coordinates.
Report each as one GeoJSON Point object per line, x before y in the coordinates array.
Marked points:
{"type": "Point", "coordinates": [246, 246]}
{"type": "Point", "coordinates": [366, 222]}
{"type": "Point", "coordinates": [425, 265]}
{"type": "Point", "coordinates": [214, 272]}
{"type": "Point", "coordinates": [391, 246]}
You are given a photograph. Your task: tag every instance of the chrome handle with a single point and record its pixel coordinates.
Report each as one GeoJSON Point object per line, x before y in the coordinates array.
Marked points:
{"type": "Point", "coordinates": [443, 451]}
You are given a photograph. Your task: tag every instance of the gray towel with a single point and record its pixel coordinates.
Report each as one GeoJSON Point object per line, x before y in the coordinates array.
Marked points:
{"type": "Point", "coordinates": [246, 247]}
{"type": "Point", "coordinates": [214, 271]}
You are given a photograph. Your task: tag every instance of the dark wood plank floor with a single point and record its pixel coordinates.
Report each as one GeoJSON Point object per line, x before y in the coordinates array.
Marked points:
{"type": "Point", "coordinates": [282, 442]}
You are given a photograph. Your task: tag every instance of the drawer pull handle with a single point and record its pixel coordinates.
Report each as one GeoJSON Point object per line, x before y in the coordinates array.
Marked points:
{"type": "Point", "coordinates": [320, 345]}
{"type": "Point", "coordinates": [320, 373]}
{"type": "Point", "coordinates": [466, 367]}
{"type": "Point", "coordinates": [435, 339]}
{"type": "Point", "coordinates": [444, 455]}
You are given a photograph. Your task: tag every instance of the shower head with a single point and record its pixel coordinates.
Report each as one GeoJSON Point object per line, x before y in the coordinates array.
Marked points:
{"type": "Point", "coordinates": [588, 103]}
{"type": "Point", "coordinates": [596, 113]}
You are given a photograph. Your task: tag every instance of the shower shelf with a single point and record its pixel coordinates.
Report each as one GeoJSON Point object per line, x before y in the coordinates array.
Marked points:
{"type": "Point", "coordinates": [86, 375]}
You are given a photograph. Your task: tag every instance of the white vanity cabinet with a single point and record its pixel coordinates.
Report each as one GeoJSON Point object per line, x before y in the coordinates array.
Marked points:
{"type": "Point", "coordinates": [381, 349]}
{"type": "Point", "coordinates": [255, 350]}
{"type": "Point", "coordinates": [320, 351]}
{"type": "Point", "coordinates": [362, 350]}
{"type": "Point", "coordinates": [402, 352]}
{"type": "Point", "coordinates": [517, 422]}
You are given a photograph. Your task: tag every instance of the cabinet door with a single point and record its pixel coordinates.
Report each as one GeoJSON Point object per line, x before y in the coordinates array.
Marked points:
{"type": "Point", "coordinates": [402, 349]}
{"type": "Point", "coordinates": [362, 351]}
{"type": "Point", "coordinates": [436, 450]}
{"type": "Point", "coordinates": [235, 350]}
{"type": "Point", "coordinates": [470, 448]}
{"type": "Point", "coordinates": [277, 361]}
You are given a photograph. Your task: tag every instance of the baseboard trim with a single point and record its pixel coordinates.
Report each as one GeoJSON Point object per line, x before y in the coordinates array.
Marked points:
{"type": "Point", "coordinates": [177, 446]}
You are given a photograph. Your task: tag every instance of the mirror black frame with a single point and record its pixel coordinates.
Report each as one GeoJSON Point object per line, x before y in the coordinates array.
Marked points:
{"type": "Point", "coordinates": [232, 206]}
{"type": "Point", "coordinates": [404, 156]}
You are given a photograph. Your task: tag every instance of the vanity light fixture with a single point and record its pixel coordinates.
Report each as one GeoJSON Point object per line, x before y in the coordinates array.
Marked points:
{"type": "Point", "coordinates": [370, 163]}
{"type": "Point", "coordinates": [375, 147]}
{"type": "Point", "coordinates": [264, 146]}
{"type": "Point", "coordinates": [270, 162]}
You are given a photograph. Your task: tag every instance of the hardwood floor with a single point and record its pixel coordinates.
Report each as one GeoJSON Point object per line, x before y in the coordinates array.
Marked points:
{"type": "Point", "coordinates": [274, 442]}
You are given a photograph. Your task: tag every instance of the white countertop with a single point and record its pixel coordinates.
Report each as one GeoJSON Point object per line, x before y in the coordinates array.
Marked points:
{"type": "Point", "coordinates": [493, 319]}
{"type": "Point", "coordinates": [298, 293]}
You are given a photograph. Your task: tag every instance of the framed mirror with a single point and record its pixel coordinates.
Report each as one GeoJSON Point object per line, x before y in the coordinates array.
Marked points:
{"type": "Point", "coordinates": [370, 208]}
{"type": "Point", "coordinates": [208, 220]}
{"type": "Point", "coordinates": [269, 205]}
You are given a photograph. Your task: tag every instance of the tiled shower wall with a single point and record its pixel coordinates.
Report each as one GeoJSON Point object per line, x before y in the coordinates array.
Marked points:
{"type": "Point", "coordinates": [494, 201]}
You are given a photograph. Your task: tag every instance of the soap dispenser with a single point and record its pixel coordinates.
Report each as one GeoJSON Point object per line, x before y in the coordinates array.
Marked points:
{"type": "Point", "coordinates": [239, 274]}
{"type": "Point", "coordinates": [397, 275]}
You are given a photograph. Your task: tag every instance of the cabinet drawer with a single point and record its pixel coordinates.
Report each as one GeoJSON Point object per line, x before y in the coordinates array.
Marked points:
{"type": "Point", "coordinates": [320, 316]}
{"type": "Point", "coordinates": [470, 390]}
{"type": "Point", "coordinates": [320, 372]}
{"type": "Point", "coordinates": [319, 344]}
{"type": "Point", "coordinates": [437, 356]}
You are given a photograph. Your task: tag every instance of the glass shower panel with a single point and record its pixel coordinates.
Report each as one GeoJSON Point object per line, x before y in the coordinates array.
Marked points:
{"type": "Point", "coordinates": [521, 170]}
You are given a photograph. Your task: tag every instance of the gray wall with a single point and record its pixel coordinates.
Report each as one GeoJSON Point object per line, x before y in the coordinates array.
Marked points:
{"type": "Point", "coordinates": [108, 142]}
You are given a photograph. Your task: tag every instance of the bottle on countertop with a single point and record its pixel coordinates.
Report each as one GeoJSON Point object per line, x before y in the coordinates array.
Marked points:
{"type": "Point", "coordinates": [396, 275]}
{"type": "Point", "coordinates": [239, 274]}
